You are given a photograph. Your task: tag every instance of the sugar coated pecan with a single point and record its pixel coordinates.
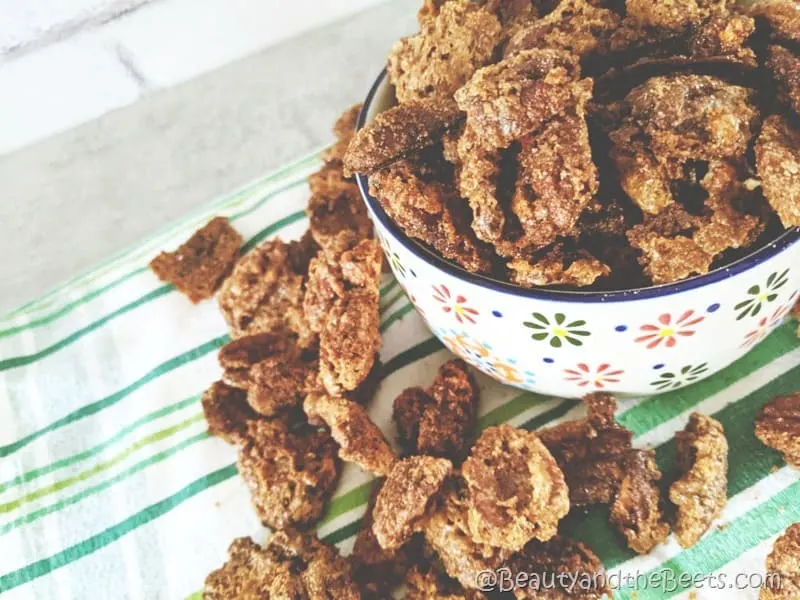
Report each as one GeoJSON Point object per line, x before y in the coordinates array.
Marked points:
{"type": "Point", "coordinates": [778, 426]}
{"type": "Point", "coordinates": [783, 567]}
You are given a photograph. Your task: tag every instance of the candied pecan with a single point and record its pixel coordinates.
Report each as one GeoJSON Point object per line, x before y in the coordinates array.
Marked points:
{"type": "Point", "coordinates": [335, 205]}
{"type": "Point", "coordinates": [636, 510]}
{"type": "Point", "coordinates": [341, 303]}
{"type": "Point", "coordinates": [724, 33]}
{"type": "Point", "coordinates": [444, 55]}
{"type": "Point", "coordinates": [557, 265]}
{"type": "Point", "coordinates": [377, 571]}
{"type": "Point", "coordinates": [344, 129]}
{"type": "Point", "coordinates": [291, 474]}
{"type": "Point", "coordinates": [516, 96]}
{"type": "Point", "coordinates": [517, 491]}
{"type": "Point", "coordinates": [407, 499]}
{"type": "Point", "coordinates": [439, 421]}
{"type": "Point", "coordinates": [265, 290]}
{"type": "Point", "coordinates": [400, 131]}
{"type": "Point", "coordinates": [201, 263]}
{"type": "Point", "coordinates": [785, 69]}
{"type": "Point", "coordinates": [783, 567]}
{"type": "Point", "coordinates": [778, 426]}
{"type": "Point", "coordinates": [701, 492]}
{"type": "Point", "coordinates": [425, 582]}
{"type": "Point", "coordinates": [778, 164]}
{"type": "Point", "coordinates": [673, 15]}
{"type": "Point", "coordinates": [427, 207]}
{"type": "Point", "coordinates": [447, 533]}
{"type": "Point", "coordinates": [558, 569]}
{"type": "Point", "coordinates": [591, 451]}
{"type": "Point", "coordinates": [276, 373]}
{"type": "Point", "coordinates": [783, 17]}
{"type": "Point", "coordinates": [292, 565]}
{"type": "Point", "coordinates": [578, 26]}
{"type": "Point", "coordinates": [227, 412]}
{"type": "Point", "coordinates": [557, 178]}
{"type": "Point", "coordinates": [360, 440]}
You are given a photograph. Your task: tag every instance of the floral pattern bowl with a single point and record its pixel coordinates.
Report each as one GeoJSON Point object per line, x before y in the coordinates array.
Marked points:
{"type": "Point", "coordinates": [563, 343]}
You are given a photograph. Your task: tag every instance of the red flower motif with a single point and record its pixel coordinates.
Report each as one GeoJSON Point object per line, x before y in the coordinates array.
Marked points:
{"type": "Point", "coordinates": [667, 331]}
{"type": "Point", "coordinates": [457, 306]}
{"type": "Point", "coordinates": [598, 378]}
{"type": "Point", "coordinates": [765, 325]}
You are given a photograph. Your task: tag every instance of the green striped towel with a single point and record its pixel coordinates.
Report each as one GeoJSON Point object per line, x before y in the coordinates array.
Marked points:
{"type": "Point", "coordinates": [110, 486]}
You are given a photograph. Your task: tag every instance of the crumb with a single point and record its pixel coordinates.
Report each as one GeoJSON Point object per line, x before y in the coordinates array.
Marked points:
{"type": "Point", "coordinates": [360, 440]}
{"type": "Point", "coordinates": [199, 265]}
{"type": "Point", "coordinates": [554, 561]}
{"type": "Point", "coordinates": [440, 420]}
{"type": "Point", "coordinates": [700, 494]}
{"type": "Point", "coordinates": [291, 473]}
{"type": "Point", "coordinates": [227, 412]}
{"type": "Point", "coordinates": [778, 163]}
{"type": "Point", "coordinates": [778, 426]}
{"type": "Point", "coordinates": [341, 303]}
{"type": "Point", "coordinates": [784, 562]}
{"type": "Point", "coordinates": [447, 533]}
{"type": "Point", "coordinates": [516, 489]}
{"type": "Point", "coordinates": [292, 565]}
{"type": "Point", "coordinates": [442, 57]}
{"type": "Point", "coordinates": [399, 132]}
{"type": "Point", "coordinates": [265, 290]}
{"type": "Point", "coordinates": [516, 96]}
{"type": "Point", "coordinates": [636, 510]}
{"type": "Point", "coordinates": [407, 499]}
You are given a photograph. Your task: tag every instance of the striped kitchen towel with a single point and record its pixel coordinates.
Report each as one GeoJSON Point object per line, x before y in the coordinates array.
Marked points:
{"type": "Point", "coordinates": [110, 486]}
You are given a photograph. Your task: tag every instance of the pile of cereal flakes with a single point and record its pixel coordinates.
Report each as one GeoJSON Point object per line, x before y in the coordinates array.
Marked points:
{"type": "Point", "coordinates": [605, 143]}
{"type": "Point", "coordinates": [303, 363]}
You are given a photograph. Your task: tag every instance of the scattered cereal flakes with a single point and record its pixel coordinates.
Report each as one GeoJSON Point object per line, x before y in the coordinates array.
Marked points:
{"type": "Point", "coordinates": [591, 452]}
{"type": "Point", "coordinates": [515, 97]}
{"type": "Point", "coordinates": [556, 564]}
{"type": "Point", "coordinates": [578, 26]}
{"type": "Point", "coordinates": [341, 302]}
{"type": "Point", "coordinates": [425, 582]}
{"type": "Point", "coordinates": [778, 164]}
{"type": "Point", "coordinates": [783, 567]}
{"type": "Point", "coordinates": [401, 131]}
{"type": "Point", "coordinates": [199, 265]}
{"type": "Point", "coordinates": [440, 420]}
{"type": "Point", "coordinates": [227, 412]}
{"type": "Point", "coordinates": [427, 207]}
{"type": "Point", "coordinates": [447, 533]}
{"type": "Point", "coordinates": [778, 426]}
{"type": "Point", "coordinates": [444, 55]}
{"type": "Point", "coordinates": [516, 489]}
{"type": "Point", "coordinates": [290, 473]}
{"type": "Point", "coordinates": [276, 373]}
{"type": "Point", "coordinates": [785, 68]}
{"type": "Point", "coordinates": [360, 440]}
{"type": "Point", "coordinates": [636, 510]}
{"type": "Point", "coordinates": [783, 17]}
{"type": "Point", "coordinates": [377, 571]}
{"type": "Point", "coordinates": [265, 290]}
{"type": "Point", "coordinates": [701, 492]}
{"type": "Point", "coordinates": [292, 565]}
{"type": "Point", "coordinates": [407, 499]}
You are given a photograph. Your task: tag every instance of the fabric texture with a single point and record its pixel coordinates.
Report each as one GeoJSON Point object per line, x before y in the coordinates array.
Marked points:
{"type": "Point", "coordinates": [110, 486]}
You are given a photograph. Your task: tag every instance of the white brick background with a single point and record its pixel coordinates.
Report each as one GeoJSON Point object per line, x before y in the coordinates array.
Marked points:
{"type": "Point", "coordinates": [64, 62]}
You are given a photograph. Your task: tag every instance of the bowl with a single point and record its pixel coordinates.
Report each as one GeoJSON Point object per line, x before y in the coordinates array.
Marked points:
{"type": "Point", "coordinates": [568, 343]}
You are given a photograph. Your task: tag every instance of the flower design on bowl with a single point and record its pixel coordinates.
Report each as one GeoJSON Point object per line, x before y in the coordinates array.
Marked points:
{"type": "Point", "coordinates": [765, 326]}
{"type": "Point", "coordinates": [599, 377]}
{"type": "Point", "coordinates": [671, 380]}
{"type": "Point", "coordinates": [558, 331]}
{"type": "Point", "coordinates": [667, 330]}
{"type": "Point", "coordinates": [481, 356]}
{"type": "Point", "coordinates": [456, 305]}
{"type": "Point", "coordinates": [758, 296]}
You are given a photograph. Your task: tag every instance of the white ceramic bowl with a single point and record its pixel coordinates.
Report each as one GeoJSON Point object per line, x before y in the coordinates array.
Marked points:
{"type": "Point", "coordinates": [634, 342]}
